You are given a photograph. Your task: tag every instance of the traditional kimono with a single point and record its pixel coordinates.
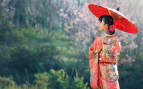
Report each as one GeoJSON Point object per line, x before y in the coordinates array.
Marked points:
{"type": "Point", "coordinates": [103, 61]}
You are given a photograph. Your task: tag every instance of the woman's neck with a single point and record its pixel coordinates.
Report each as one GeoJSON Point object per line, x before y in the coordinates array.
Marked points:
{"type": "Point", "coordinates": [108, 35]}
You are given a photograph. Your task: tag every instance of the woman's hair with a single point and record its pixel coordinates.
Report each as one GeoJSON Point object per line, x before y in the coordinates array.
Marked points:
{"type": "Point", "coordinates": [107, 20]}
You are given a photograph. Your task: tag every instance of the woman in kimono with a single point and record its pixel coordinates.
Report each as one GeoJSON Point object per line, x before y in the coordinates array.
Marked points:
{"type": "Point", "coordinates": [104, 53]}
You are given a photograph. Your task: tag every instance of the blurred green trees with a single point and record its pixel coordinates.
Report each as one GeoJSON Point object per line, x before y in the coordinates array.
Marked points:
{"type": "Point", "coordinates": [52, 80]}
{"type": "Point", "coordinates": [36, 53]}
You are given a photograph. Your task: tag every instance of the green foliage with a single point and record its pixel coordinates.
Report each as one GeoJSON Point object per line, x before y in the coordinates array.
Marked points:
{"type": "Point", "coordinates": [47, 80]}
{"type": "Point", "coordinates": [131, 72]}
{"type": "Point", "coordinates": [6, 82]}
{"type": "Point", "coordinates": [59, 79]}
{"type": "Point", "coordinates": [52, 80]}
{"type": "Point", "coordinates": [35, 51]}
{"type": "Point", "coordinates": [79, 84]}
{"type": "Point", "coordinates": [141, 55]}
{"type": "Point", "coordinates": [29, 52]}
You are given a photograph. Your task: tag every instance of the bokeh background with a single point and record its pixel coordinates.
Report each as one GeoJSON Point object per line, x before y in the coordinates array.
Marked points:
{"type": "Point", "coordinates": [44, 44]}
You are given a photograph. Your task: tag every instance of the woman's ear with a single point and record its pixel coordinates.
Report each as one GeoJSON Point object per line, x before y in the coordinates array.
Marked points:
{"type": "Point", "coordinates": [106, 26]}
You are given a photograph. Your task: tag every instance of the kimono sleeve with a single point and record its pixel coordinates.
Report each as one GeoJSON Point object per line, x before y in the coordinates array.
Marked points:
{"type": "Point", "coordinates": [92, 48]}
{"type": "Point", "coordinates": [93, 65]}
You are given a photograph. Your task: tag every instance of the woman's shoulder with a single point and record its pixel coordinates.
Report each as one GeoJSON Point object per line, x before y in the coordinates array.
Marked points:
{"type": "Point", "coordinates": [98, 38]}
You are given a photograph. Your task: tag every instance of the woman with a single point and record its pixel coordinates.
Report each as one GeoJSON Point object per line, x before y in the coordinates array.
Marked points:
{"type": "Point", "coordinates": [103, 57]}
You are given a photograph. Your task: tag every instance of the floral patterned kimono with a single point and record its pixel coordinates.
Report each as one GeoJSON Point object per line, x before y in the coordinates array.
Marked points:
{"type": "Point", "coordinates": [103, 61]}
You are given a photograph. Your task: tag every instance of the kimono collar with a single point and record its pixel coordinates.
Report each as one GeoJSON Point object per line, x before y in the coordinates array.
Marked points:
{"type": "Point", "coordinates": [109, 39]}
{"type": "Point", "coordinates": [108, 36]}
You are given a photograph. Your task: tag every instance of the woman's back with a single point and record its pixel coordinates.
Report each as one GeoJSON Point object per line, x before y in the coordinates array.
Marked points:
{"type": "Point", "coordinates": [103, 60]}
{"type": "Point", "coordinates": [109, 47]}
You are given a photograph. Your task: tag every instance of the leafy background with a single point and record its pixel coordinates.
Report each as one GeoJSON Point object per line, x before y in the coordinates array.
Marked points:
{"type": "Point", "coordinates": [44, 44]}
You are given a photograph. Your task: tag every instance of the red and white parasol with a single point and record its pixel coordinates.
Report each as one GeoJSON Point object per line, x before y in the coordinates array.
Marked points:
{"type": "Point", "coordinates": [120, 21]}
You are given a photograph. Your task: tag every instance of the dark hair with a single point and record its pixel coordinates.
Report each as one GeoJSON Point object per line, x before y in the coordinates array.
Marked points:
{"type": "Point", "coordinates": [108, 19]}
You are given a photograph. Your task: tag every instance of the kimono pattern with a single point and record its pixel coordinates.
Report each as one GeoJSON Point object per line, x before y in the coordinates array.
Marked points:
{"type": "Point", "coordinates": [103, 61]}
